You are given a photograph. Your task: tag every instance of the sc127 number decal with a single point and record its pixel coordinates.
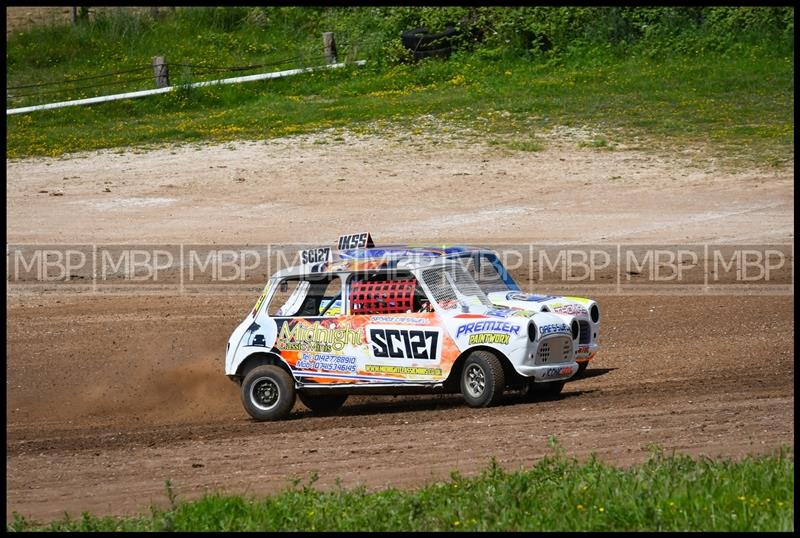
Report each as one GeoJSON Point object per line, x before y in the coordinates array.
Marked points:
{"type": "Point", "coordinates": [403, 343]}
{"type": "Point", "coordinates": [315, 255]}
{"type": "Point", "coordinates": [362, 240]}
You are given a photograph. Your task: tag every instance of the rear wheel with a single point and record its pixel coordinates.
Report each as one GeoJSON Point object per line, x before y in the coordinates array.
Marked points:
{"type": "Point", "coordinates": [268, 393]}
{"type": "Point", "coordinates": [482, 379]}
{"type": "Point", "coordinates": [581, 367]}
{"type": "Point", "coordinates": [322, 404]}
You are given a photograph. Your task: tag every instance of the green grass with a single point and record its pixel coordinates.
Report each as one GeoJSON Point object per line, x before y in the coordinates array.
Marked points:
{"type": "Point", "coordinates": [667, 493]}
{"type": "Point", "coordinates": [737, 102]}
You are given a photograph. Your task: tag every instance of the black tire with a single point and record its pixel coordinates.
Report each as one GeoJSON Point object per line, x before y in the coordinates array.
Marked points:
{"type": "Point", "coordinates": [542, 391]}
{"type": "Point", "coordinates": [322, 404]}
{"type": "Point", "coordinates": [420, 39]}
{"type": "Point", "coordinates": [268, 393]}
{"type": "Point", "coordinates": [482, 379]}
{"type": "Point", "coordinates": [581, 367]}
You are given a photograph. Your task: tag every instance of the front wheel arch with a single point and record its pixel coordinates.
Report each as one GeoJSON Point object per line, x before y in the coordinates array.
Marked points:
{"type": "Point", "coordinates": [260, 358]}
{"type": "Point", "coordinates": [453, 381]}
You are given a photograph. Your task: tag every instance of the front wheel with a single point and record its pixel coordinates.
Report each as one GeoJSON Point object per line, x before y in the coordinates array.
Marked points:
{"type": "Point", "coordinates": [268, 393]}
{"type": "Point", "coordinates": [482, 379]}
{"type": "Point", "coordinates": [581, 367]}
{"type": "Point", "coordinates": [322, 404]}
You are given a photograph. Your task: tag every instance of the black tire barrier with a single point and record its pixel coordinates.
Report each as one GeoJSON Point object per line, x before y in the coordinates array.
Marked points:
{"type": "Point", "coordinates": [423, 44]}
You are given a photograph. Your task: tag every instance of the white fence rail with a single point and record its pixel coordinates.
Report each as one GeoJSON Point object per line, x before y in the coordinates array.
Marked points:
{"type": "Point", "coordinates": [143, 93]}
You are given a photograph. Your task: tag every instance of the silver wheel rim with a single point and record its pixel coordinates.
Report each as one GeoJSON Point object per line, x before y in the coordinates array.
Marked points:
{"type": "Point", "coordinates": [475, 380]}
{"type": "Point", "coordinates": [264, 393]}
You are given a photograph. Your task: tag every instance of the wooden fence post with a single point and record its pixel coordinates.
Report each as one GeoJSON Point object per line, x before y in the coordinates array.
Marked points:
{"type": "Point", "coordinates": [73, 12]}
{"type": "Point", "coordinates": [161, 70]}
{"type": "Point", "coordinates": [330, 47]}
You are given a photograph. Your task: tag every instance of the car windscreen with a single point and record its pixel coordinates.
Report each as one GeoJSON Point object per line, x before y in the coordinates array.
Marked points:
{"type": "Point", "coordinates": [488, 272]}
{"type": "Point", "coordinates": [452, 286]}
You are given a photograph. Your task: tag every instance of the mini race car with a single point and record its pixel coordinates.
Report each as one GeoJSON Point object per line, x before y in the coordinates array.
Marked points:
{"type": "Point", "coordinates": [402, 323]}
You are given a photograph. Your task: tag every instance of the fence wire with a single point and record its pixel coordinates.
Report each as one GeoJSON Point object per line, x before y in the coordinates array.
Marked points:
{"type": "Point", "coordinates": [200, 69]}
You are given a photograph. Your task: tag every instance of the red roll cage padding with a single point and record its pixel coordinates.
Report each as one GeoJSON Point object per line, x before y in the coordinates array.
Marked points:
{"type": "Point", "coordinates": [392, 297]}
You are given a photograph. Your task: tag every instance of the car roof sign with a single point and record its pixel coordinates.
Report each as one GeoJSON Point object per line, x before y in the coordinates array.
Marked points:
{"type": "Point", "coordinates": [358, 240]}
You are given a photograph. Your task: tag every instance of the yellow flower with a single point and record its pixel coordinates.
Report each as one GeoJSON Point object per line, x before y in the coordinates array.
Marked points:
{"type": "Point", "coordinates": [579, 507]}
{"type": "Point", "coordinates": [601, 509]}
{"type": "Point", "coordinates": [456, 523]}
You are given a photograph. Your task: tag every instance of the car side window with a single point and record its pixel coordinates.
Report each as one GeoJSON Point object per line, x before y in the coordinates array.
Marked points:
{"type": "Point", "coordinates": [384, 293]}
{"type": "Point", "coordinates": [307, 297]}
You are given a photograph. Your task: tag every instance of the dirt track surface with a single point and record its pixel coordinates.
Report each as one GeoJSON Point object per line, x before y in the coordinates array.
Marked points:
{"type": "Point", "coordinates": [109, 396]}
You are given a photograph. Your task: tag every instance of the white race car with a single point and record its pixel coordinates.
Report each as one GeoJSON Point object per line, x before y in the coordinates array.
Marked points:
{"type": "Point", "coordinates": [397, 323]}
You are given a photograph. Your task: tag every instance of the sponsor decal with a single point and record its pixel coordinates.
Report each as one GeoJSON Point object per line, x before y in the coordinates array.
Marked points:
{"type": "Point", "coordinates": [558, 372]}
{"type": "Point", "coordinates": [404, 343]}
{"type": "Point", "coordinates": [523, 313]}
{"type": "Point", "coordinates": [517, 296]}
{"type": "Point", "coordinates": [488, 326]}
{"type": "Point", "coordinates": [261, 299]}
{"type": "Point", "coordinates": [581, 300]}
{"type": "Point", "coordinates": [583, 349]}
{"type": "Point", "coordinates": [569, 309]}
{"type": "Point", "coordinates": [413, 370]}
{"type": "Point", "coordinates": [362, 240]}
{"type": "Point", "coordinates": [554, 328]}
{"type": "Point", "coordinates": [500, 312]}
{"type": "Point", "coordinates": [315, 255]}
{"type": "Point", "coordinates": [488, 338]}
{"type": "Point", "coordinates": [399, 319]}
{"type": "Point", "coordinates": [470, 316]}
{"type": "Point", "coordinates": [334, 310]}
{"type": "Point", "coordinates": [252, 338]}
{"type": "Point", "coordinates": [316, 337]}
{"type": "Point", "coordinates": [321, 361]}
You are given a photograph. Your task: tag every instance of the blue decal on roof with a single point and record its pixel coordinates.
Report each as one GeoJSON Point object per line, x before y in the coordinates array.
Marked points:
{"type": "Point", "coordinates": [517, 296]}
{"type": "Point", "coordinates": [399, 251]}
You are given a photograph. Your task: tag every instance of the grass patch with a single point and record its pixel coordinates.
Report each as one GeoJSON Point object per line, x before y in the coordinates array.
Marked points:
{"type": "Point", "coordinates": [667, 493]}
{"type": "Point", "coordinates": [598, 142]}
{"type": "Point", "coordinates": [525, 145]}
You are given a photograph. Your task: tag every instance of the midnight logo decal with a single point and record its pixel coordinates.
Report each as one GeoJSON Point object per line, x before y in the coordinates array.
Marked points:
{"type": "Point", "coordinates": [404, 343]}
{"type": "Point", "coordinates": [316, 337]}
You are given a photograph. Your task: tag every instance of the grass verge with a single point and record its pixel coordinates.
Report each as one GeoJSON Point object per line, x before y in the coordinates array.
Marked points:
{"type": "Point", "coordinates": [666, 493]}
